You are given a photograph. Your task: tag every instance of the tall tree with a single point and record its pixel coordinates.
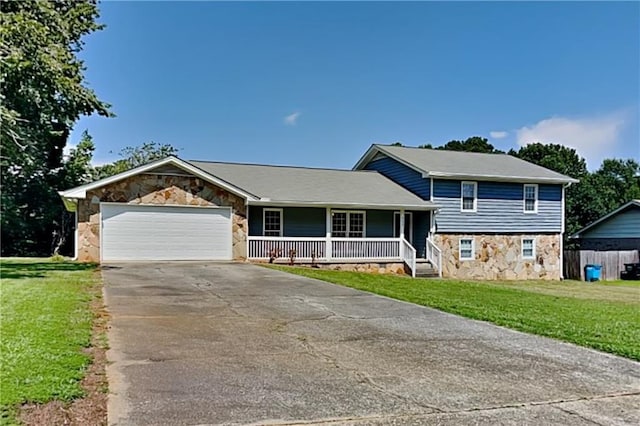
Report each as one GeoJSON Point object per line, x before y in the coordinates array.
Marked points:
{"type": "Point", "coordinates": [472, 144]}
{"type": "Point", "coordinates": [558, 158]}
{"type": "Point", "coordinates": [42, 95]}
{"type": "Point", "coordinates": [134, 156]}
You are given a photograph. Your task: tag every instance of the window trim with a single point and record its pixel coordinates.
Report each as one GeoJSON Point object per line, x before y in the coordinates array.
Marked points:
{"type": "Point", "coordinates": [524, 198]}
{"type": "Point", "coordinates": [264, 221]}
{"type": "Point", "coordinates": [348, 223]}
{"type": "Point", "coordinates": [533, 247]}
{"type": "Point", "coordinates": [473, 248]}
{"type": "Point", "coordinates": [475, 196]}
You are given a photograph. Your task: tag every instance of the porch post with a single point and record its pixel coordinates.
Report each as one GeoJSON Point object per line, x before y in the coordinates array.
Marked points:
{"type": "Point", "coordinates": [328, 235]}
{"type": "Point", "coordinates": [401, 233]}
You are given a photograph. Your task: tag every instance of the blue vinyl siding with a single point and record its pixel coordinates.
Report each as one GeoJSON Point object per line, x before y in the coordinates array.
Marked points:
{"type": "Point", "coordinates": [625, 224]}
{"type": "Point", "coordinates": [311, 222]}
{"type": "Point", "coordinates": [402, 175]}
{"type": "Point", "coordinates": [499, 208]}
{"type": "Point", "coordinates": [379, 223]}
{"type": "Point", "coordinates": [297, 221]}
{"type": "Point", "coordinates": [305, 222]}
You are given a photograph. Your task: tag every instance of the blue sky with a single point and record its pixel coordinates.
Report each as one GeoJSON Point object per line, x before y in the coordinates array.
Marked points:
{"type": "Point", "coordinates": [314, 84]}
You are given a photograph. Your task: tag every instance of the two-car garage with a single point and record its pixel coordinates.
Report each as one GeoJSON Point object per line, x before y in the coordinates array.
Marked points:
{"type": "Point", "coordinates": [164, 232]}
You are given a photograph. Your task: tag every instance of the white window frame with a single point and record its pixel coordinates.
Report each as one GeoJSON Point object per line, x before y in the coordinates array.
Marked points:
{"type": "Point", "coordinates": [533, 247]}
{"type": "Point", "coordinates": [475, 196]}
{"type": "Point", "coordinates": [264, 221]}
{"type": "Point", "coordinates": [524, 198]}
{"type": "Point", "coordinates": [473, 248]}
{"type": "Point", "coordinates": [348, 223]}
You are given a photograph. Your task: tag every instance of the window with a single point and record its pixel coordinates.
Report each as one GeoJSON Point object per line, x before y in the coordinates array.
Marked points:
{"type": "Point", "coordinates": [272, 222]}
{"type": "Point", "coordinates": [530, 198]}
{"type": "Point", "coordinates": [347, 224]}
{"type": "Point", "coordinates": [528, 248]}
{"type": "Point", "coordinates": [469, 196]}
{"type": "Point", "coordinates": [466, 249]}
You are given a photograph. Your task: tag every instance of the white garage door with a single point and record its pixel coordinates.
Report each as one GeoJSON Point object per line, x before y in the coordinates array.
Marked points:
{"type": "Point", "coordinates": [136, 232]}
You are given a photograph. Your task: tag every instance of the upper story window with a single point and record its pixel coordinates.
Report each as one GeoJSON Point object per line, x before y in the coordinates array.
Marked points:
{"type": "Point", "coordinates": [272, 222]}
{"type": "Point", "coordinates": [531, 198]}
{"type": "Point", "coordinates": [469, 199]}
{"type": "Point", "coordinates": [347, 224]}
{"type": "Point", "coordinates": [466, 249]}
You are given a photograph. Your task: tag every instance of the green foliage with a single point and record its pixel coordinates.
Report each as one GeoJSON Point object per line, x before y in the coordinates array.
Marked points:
{"type": "Point", "coordinates": [472, 144]}
{"type": "Point", "coordinates": [43, 94]}
{"type": "Point", "coordinates": [46, 321]}
{"type": "Point", "coordinates": [615, 183]}
{"type": "Point", "coordinates": [597, 315]}
{"type": "Point", "coordinates": [136, 156]}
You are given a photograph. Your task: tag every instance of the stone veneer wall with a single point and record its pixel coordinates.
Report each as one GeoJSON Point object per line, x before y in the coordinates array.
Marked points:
{"type": "Point", "coordinates": [499, 257]}
{"type": "Point", "coordinates": [157, 189]}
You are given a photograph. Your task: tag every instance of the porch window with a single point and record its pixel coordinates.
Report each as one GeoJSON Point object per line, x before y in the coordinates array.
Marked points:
{"type": "Point", "coordinates": [528, 248]}
{"type": "Point", "coordinates": [530, 198]}
{"type": "Point", "coordinates": [347, 224]}
{"type": "Point", "coordinates": [272, 222]}
{"type": "Point", "coordinates": [466, 249]}
{"type": "Point", "coordinates": [469, 197]}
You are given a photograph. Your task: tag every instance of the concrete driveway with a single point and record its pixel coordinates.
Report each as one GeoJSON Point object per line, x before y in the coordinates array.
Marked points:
{"type": "Point", "coordinates": [196, 343]}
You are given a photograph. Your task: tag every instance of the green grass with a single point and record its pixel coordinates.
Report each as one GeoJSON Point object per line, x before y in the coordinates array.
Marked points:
{"type": "Point", "coordinates": [602, 316]}
{"type": "Point", "coordinates": [45, 322]}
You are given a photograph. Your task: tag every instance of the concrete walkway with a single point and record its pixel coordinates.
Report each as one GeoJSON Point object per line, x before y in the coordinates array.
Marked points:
{"type": "Point", "coordinates": [207, 343]}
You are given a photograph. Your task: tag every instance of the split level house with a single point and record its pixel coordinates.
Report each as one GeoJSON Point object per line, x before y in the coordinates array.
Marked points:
{"type": "Point", "coordinates": [456, 214]}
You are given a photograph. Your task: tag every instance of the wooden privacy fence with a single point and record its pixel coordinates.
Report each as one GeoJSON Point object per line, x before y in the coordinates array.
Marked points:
{"type": "Point", "coordinates": [612, 262]}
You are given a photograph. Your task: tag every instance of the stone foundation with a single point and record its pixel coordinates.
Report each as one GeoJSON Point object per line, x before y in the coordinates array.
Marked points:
{"type": "Point", "coordinates": [157, 189]}
{"type": "Point", "coordinates": [395, 268]}
{"type": "Point", "coordinates": [499, 257]}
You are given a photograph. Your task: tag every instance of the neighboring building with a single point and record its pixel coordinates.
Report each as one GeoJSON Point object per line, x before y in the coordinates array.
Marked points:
{"type": "Point", "coordinates": [468, 215]}
{"type": "Point", "coordinates": [498, 217]}
{"type": "Point", "coordinates": [618, 230]}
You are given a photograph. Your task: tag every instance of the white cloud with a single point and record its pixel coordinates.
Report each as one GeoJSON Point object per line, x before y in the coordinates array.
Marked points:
{"type": "Point", "coordinates": [292, 119]}
{"type": "Point", "coordinates": [498, 134]}
{"type": "Point", "coordinates": [593, 137]}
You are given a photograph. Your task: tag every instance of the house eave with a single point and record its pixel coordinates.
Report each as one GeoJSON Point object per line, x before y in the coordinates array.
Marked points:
{"type": "Point", "coordinates": [71, 204]}
{"type": "Point", "coordinates": [496, 178]}
{"type": "Point", "coordinates": [341, 205]}
{"type": "Point", "coordinates": [80, 192]}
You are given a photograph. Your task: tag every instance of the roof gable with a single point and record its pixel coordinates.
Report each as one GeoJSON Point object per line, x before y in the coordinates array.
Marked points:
{"type": "Point", "coordinates": [169, 165]}
{"type": "Point", "coordinates": [465, 165]}
{"type": "Point", "coordinates": [631, 205]}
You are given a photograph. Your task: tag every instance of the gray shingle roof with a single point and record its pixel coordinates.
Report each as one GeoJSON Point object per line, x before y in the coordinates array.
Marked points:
{"type": "Point", "coordinates": [283, 184]}
{"type": "Point", "coordinates": [470, 164]}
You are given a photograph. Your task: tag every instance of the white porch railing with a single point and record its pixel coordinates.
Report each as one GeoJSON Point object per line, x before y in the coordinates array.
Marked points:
{"type": "Point", "coordinates": [333, 249]}
{"type": "Point", "coordinates": [408, 255]}
{"type": "Point", "coordinates": [305, 248]}
{"type": "Point", "coordinates": [434, 255]}
{"type": "Point", "coordinates": [365, 248]}
{"type": "Point", "coordinates": [326, 249]}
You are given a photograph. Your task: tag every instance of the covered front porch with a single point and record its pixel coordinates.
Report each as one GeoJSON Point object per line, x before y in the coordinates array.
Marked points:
{"type": "Point", "coordinates": [340, 235]}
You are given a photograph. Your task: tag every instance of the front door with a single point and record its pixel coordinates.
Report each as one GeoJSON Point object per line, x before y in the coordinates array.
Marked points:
{"type": "Point", "coordinates": [408, 226]}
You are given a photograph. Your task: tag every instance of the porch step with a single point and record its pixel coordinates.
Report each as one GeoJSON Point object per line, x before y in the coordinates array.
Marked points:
{"type": "Point", "coordinates": [426, 270]}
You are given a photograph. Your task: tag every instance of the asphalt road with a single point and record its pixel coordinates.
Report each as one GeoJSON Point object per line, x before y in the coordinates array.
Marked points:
{"type": "Point", "coordinates": [208, 343]}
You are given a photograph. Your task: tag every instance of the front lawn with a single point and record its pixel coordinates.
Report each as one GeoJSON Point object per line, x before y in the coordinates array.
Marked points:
{"type": "Point", "coordinates": [45, 322]}
{"type": "Point", "coordinates": [603, 316]}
